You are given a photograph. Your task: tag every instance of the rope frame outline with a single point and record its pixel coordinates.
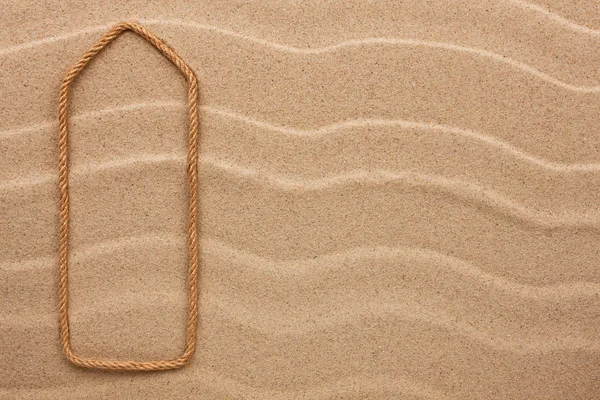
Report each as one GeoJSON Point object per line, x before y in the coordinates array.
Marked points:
{"type": "Point", "coordinates": [192, 237]}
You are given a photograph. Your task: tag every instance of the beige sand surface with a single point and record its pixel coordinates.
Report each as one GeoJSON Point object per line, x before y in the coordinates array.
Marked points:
{"type": "Point", "coordinates": [398, 201]}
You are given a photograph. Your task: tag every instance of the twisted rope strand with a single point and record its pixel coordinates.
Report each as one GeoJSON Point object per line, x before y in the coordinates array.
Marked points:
{"type": "Point", "coordinates": [192, 240]}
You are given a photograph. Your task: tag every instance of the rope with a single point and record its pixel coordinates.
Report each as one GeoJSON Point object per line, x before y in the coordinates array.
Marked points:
{"type": "Point", "coordinates": [192, 240]}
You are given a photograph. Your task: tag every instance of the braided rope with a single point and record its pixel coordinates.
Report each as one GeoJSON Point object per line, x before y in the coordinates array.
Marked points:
{"type": "Point", "coordinates": [192, 240]}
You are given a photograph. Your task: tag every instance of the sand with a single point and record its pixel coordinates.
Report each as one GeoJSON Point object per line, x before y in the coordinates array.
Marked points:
{"type": "Point", "coordinates": [397, 201]}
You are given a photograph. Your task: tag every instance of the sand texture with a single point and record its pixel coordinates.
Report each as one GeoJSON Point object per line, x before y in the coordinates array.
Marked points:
{"type": "Point", "coordinates": [398, 201]}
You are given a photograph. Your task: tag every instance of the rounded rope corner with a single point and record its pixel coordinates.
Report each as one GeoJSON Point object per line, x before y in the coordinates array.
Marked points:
{"type": "Point", "coordinates": [192, 239]}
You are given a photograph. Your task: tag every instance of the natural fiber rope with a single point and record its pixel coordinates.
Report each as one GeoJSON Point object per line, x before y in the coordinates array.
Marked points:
{"type": "Point", "coordinates": [192, 173]}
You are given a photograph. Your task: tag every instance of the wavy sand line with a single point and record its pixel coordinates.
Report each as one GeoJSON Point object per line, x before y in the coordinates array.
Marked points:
{"type": "Point", "coordinates": [328, 264]}
{"type": "Point", "coordinates": [153, 239]}
{"type": "Point", "coordinates": [492, 56]}
{"type": "Point", "coordinates": [407, 124]}
{"type": "Point", "coordinates": [93, 168]}
{"type": "Point", "coordinates": [333, 128]}
{"type": "Point", "coordinates": [557, 18]}
{"type": "Point", "coordinates": [91, 115]}
{"type": "Point", "coordinates": [335, 262]}
{"type": "Point", "coordinates": [454, 187]}
{"type": "Point", "coordinates": [347, 315]}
